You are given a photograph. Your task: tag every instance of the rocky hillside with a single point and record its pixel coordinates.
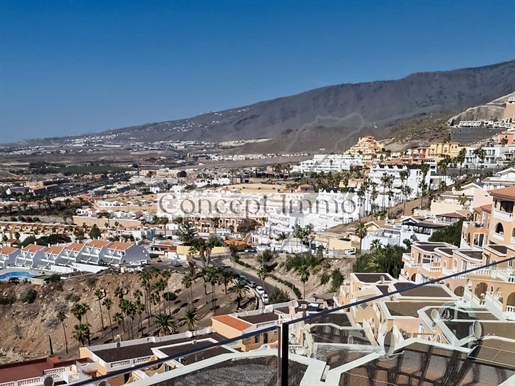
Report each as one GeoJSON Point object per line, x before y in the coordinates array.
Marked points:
{"type": "Point", "coordinates": [490, 111]}
{"type": "Point", "coordinates": [345, 110]}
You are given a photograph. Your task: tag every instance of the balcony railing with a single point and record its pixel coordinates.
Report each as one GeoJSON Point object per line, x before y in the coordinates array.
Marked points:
{"type": "Point", "coordinates": [503, 216]}
{"type": "Point", "coordinates": [432, 268]}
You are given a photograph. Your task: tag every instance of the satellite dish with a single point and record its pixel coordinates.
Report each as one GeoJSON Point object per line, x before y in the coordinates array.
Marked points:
{"type": "Point", "coordinates": [103, 383]}
{"type": "Point", "coordinates": [477, 330]}
{"type": "Point", "coordinates": [118, 344]}
{"type": "Point", "coordinates": [435, 314]}
{"type": "Point", "coordinates": [389, 344]}
{"type": "Point", "coordinates": [188, 334]}
{"type": "Point", "coordinates": [48, 381]}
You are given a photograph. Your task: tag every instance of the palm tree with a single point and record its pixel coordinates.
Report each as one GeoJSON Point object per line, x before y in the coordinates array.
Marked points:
{"type": "Point", "coordinates": [78, 311]}
{"type": "Point", "coordinates": [144, 278]}
{"type": "Point", "coordinates": [424, 168]}
{"type": "Point", "coordinates": [303, 272]}
{"type": "Point", "coordinates": [118, 318]}
{"type": "Point", "coordinates": [215, 223]}
{"type": "Point", "coordinates": [213, 278]}
{"type": "Point", "coordinates": [192, 268]}
{"type": "Point", "coordinates": [107, 303]}
{"type": "Point", "coordinates": [204, 272]}
{"type": "Point", "coordinates": [119, 292]}
{"type": "Point", "coordinates": [240, 287]}
{"type": "Point", "coordinates": [460, 158]}
{"type": "Point", "coordinates": [375, 245]}
{"type": "Point", "coordinates": [164, 221]}
{"type": "Point", "coordinates": [406, 191]}
{"type": "Point", "coordinates": [62, 316]}
{"type": "Point", "coordinates": [166, 274]}
{"type": "Point", "coordinates": [198, 246]}
{"type": "Point", "coordinates": [99, 294]}
{"type": "Point", "coordinates": [189, 319]}
{"type": "Point", "coordinates": [81, 332]}
{"type": "Point", "coordinates": [165, 323]}
{"type": "Point", "coordinates": [226, 278]}
{"type": "Point", "coordinates": [263, 274]}
{"type": "Point", "coordinates": [384, 181]}
{"type": "Point", "coordinates": [361, 232]}
{"type": "Point", "coordinates": [187, 282]}
{"type": "Point", "coordinates": [86, 308]}
{"type": "Point", "coordinates": [140, 307]}
{"type": "Point", "coordinates": [137, 294]}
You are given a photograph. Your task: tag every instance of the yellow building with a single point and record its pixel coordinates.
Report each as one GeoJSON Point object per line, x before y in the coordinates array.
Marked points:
{"type": "Point", "coordinates": [366, 145]}
{"type": "Point", "coordinates": [441, 149]}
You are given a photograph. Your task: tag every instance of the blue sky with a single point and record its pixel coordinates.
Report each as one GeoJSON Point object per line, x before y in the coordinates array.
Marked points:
{"type": "Point", "coordinates": [72, 67]}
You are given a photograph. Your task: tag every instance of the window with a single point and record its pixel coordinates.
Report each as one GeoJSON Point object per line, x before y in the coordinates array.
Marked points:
{"type": "Point", "coordinates": [499, 229]}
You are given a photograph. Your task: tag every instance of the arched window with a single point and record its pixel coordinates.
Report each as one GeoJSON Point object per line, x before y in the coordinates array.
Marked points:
{"type": "Point", "coordinates": [499, 229]}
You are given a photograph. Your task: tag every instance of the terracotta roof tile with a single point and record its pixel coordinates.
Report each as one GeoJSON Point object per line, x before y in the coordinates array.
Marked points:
{"type": "Point", "coordinates": [33, 248]}
{"type": "Point", "coordinates": [7, 250]}
{"type": "Point", "coordinates": [508, 192]}
{"type": "Point", "coordinates": [120, 245]}
{"type": "Point", "coordinates": [233, 322]}
{"type": "Point", "coordinates": [74, 247]}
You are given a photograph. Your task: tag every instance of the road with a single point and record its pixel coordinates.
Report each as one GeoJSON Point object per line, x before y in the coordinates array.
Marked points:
{"type": "Point", "coordinates": [218, 261]}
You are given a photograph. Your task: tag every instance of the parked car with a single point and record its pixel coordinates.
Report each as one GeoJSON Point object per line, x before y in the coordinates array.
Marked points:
{"type": "Point", "coordinates": [251, 250]}
{"type": "Point", "coordinates": [260, 290]}
{"type": "Point", "coordinates": [264, 297]}
{"type": "Point", "coordinates": [252, 284]}
{"type": "Point", "coordinates": [244, 278]}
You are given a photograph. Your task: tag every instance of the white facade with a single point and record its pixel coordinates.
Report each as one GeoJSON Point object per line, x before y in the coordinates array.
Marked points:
{"type": "Point", "coordinates": [8, 256]}
{"type": "Point", "coordinates": [494, 157]}
{"type": "Point", "coordinates": [30, 256]}
{"type": "Point", "coordinates": [328, 163]}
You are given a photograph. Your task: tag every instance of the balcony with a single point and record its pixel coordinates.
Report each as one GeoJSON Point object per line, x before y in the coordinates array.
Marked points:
{"type": "Point", "coordinates": [432, 268]}
{"type": "Point", "coordinates": [510, 313]}
{"type": "Point", "coordinates": [503, 216]}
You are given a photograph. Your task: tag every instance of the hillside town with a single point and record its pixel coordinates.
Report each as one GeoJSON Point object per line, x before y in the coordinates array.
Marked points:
{"type": "Point", "coordinates": [325, 268]}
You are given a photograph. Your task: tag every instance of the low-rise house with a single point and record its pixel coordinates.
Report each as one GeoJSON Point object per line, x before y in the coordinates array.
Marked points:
{"type": "Point", "coordinates": [8, 256]}
{"type": "Point", "coordinates": [30, 256]}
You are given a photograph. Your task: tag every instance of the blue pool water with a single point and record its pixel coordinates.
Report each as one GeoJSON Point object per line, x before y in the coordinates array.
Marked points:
{"type": "Point", "coordinates": [7, 275]}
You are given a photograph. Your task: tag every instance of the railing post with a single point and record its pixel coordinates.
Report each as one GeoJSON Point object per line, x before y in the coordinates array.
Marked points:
{"type": "Point", "coordinates": [284, 354]}
{"type": "Point", "coordinates": [279, 345]}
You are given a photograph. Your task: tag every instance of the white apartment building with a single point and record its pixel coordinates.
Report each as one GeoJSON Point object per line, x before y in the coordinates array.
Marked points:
{"type": "Point", "coordinates": [8, 256]}
{"type": "Point", "coordinates": [413, 181]}
{"type": "Point", "coordinates": [73, 257]}
{"type": "Point", "coordinates": [328, 163]}
{"type": "Point", "coordinates": [494, 157]}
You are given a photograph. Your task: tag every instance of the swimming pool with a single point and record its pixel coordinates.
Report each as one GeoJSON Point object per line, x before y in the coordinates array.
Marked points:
{"type": "Point", "coordinates": [8, 275]}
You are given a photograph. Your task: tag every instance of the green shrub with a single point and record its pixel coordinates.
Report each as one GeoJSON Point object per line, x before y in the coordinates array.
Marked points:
{"type": "Point", "coordinates": [279, 296]}
{"type": "Point", "coordinates": [74, 298]}
{"type": "Point", "coordinates": [30, 296]}
{"type": "Point", "coordinates": [324, 279]}
{"type": "Point", "coordinates": [91, 281]}
{"type": "Point", "coordinates": [54, 278]}
{"type": "Point", "coordinates": [6, 300]}
{"type": "Point", "coordinates": [336, 280]}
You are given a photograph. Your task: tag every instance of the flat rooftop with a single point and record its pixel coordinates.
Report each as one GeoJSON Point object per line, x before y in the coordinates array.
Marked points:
{"type": "Point", "coordinates": [260, 318]}
{"type": "Point", "coordinates": [372, 277]}
{"type": "Point", "coordinates": [406, 308]}
{"type": "Point", "coordinates": [140, 350]}
{"type": "Point", "coordinates": [427, 291]}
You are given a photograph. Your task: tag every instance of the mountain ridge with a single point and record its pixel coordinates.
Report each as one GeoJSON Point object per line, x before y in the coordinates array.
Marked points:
{"type": "Point", "coordinates": [355, 108]}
